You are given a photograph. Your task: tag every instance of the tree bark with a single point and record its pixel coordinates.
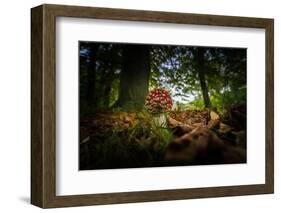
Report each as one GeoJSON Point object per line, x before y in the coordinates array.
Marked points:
{"type": "Point", "coordinates": [201, 73]}
{"type": "Point", "coordinates": [91, 79]}
{"type": "Point", "coordinates": [134, 78]}
{"type": "Point", "coordinates": [107, 87]}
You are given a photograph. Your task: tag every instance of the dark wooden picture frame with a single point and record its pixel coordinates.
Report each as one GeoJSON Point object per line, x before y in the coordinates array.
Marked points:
{"type": "Point", "coordinates": [43, 105]}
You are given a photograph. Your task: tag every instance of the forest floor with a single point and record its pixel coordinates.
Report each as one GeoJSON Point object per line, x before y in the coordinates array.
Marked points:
{"type": "Point", "coordinates": [193, 137]}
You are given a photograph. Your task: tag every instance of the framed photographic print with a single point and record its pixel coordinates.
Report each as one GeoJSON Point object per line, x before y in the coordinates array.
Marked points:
{"type": "Point", "coordinates": [135, 106]}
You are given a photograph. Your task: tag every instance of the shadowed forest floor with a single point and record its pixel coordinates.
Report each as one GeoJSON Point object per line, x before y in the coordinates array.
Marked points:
{"type": "Point", "coordinates": [194, 137]}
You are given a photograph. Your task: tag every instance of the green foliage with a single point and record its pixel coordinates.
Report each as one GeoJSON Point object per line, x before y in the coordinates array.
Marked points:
{"type": "Point", "coordinates": [197, 104]}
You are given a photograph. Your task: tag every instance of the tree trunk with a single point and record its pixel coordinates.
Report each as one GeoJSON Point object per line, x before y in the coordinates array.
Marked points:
{"type": "Point", "coordinates": [91, 79]}
{"type": "Point", "coordinates": [106, 99]}
{"type": "Point", "coordinates": [134, 77]}
{"type": "Point", "coordinates": [201, 73]}
{"type": "Point", "coordinates": [107, 87]}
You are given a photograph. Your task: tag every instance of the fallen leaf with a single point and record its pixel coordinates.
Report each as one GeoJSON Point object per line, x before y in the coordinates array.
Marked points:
{"type": "Point", "coordinates": [214, 115]}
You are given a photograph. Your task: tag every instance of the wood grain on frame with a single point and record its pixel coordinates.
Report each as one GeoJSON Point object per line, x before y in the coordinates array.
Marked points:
{"type": "Point", "coordinates": [43, 105]}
